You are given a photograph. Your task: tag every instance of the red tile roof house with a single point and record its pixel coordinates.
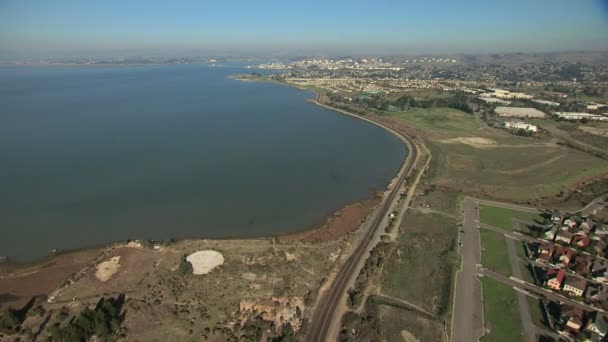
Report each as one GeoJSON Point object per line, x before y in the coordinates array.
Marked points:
{"type": "Point", "coordinates": [555, 278]}
{"type": "Point", "coordinates": [575, 286]}
{"type": "Point", "coordinates": [581, 240]}
{"type": "Point", "coordinates": [545, 252]}
{"type": "Point", "coordinates": [583, 264]}
{"type": "Point", "coordinates": [563, 255]}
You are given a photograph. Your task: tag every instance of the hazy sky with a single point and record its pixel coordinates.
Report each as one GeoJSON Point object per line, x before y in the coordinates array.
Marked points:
{"type": "Point", "coordinates": [57, 28]}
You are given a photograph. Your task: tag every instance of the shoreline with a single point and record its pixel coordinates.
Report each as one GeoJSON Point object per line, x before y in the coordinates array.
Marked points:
{"type": "Point", "coordinates": [329, 228]}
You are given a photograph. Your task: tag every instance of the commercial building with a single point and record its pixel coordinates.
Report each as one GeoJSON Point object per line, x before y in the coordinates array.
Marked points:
{"type": "Point", "coordinates": [519, 112]}
{"type": "Point", "coordinates": [580, 116]}
{"type": "Point", "coordinates": [546, 103]}
{"type": "Point", "coordinates": [521, 125]}
{"type": "Point", "coordinates": [494, 100]}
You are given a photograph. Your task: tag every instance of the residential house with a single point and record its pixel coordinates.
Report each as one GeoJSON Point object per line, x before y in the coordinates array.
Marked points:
{"type": "Point", "coordinates": [564, 236]}
{"type": "Point", "coordinates": [574, 317]}
{"type": "Point", "coordinates": [550, 234]}
{"type": "Point", "coordinates": [598, 325]}
{"type": "Point", "coordinates": [575, 286]}
{"type": "Point", "coordinates": [570, 222]}
{"type": "Point", "coordinates": [601, 229]}
{"type": "Point", "coordinates": [598, 246]}
{"type": "Point", "coordinates": [587, 226]}
{"type": "Point", "coordinates": [563, 255]}
{"type": "Point", "coordinates": [599, 271]}
{"type": "Point", "coordinates": [581, 240]}
{"type": "Point", "coordinates": [596, 293]}
{"type": "Point", "coordinates": [583, 265]}
{"type": "Point", "coordinates": [555, 278]}
{"type": "Point", "coordinates": [545, 252]}
{"type": "Point", "coordinates": [556, 218]}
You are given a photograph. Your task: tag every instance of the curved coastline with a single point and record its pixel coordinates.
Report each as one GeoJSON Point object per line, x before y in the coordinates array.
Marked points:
{"type": "Point", "coordinates": [372, 202]}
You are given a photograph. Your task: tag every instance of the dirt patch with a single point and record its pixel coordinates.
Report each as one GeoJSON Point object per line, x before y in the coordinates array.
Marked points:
{"type": "Point", "coordinates": [21, 282]}
{"type": "Point", "coordinates": [340, 223]}
{"type": "Point", "coordinates": [471, 141]}
{"type": "Point", "coordinates": [602, 132]}
{"type": "Point", "coordinates": [105, 270]}
{"type": "Point", "coordinates": [408, 336]}
{"type": "Point", "coordinates": [204, 262]}
{"type": "Point", "coordinates": [249, 276]}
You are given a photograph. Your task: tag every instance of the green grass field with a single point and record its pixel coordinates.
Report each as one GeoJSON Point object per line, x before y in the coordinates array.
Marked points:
{"type": "Point", "coordinates": [448, 121]}
{"type": "Point", "coordinates": [536, 312]}
{"type": "Point", "coordinates": [511, 173]}
{"type": "Point", "coordinates": [501, 312]}
{"type": "Point", "coordinates": [494, 254]}
{"type": "Point", "coordinates": [502, 166]}
{"type": "Point", "coordinates": [502, 217]}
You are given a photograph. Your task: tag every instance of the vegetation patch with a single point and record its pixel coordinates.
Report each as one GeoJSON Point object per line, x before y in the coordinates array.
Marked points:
{"type": "Point", "coordinates": [494, 253]}
{"type": "Point", "coordinates": [503, 217]}
{"type": "Point", "coordinates": [502, 318]}
{"type": "Point", "coordinates": [420, 269]}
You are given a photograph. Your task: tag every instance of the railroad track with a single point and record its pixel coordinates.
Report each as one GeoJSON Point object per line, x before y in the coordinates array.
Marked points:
{"type": "Point", "coordinates": [324, 315]}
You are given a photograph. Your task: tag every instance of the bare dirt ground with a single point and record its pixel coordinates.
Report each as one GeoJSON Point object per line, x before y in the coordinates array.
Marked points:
{"type": "Point", "coordinates": [603, 132]}
{"type": "Point", "coordinates": [340, 223]}
{"type": "Point", "coordinates": [204, 262]}
{"type": "Point", "coordinates": [107, 269]}
{"type": "Point", "coordinates": [164, 302]}
{"type": "Point", "coordinates": [20, 283]}
{"type": "Point", "coordinates": [471, 141]}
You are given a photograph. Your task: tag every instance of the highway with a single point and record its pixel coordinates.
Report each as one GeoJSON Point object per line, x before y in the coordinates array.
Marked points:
{"type": "Point", "coordinates": [324, 315]}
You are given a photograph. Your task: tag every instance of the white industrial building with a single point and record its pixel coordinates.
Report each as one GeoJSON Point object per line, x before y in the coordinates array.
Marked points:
{"type": "Point", "coordinates": [519, 112]}
{"type": "Point", "coordinates": [494, 100]}
{"type": "Point", "coordinates": [594, 106]}
{"type": "Point", "coordinates": [521, 125]}
{"type": "Point", "coordinates": [580, 116]}
{"type": "Point", "coordinates": [505, 94]}
{"type": "Point", "coordinates": [547, 103]}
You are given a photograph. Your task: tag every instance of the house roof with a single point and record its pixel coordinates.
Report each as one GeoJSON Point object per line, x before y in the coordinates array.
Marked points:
{"type": "Point", "coordinates": [576, 283]}
{"type": "Point", "coordinates": [599, 265]}
{"type": "Point", "coordinates": [556, 274]}
{"type": "Point", "coordinates": [574, 313]}
{"type": "Point", "coordinates": [582, 265]}
{"type": "Point", "coordinates": [564, 233]}
{"type": "Point", "coordinates": [601, 322]}
{"type": "Point", "coordinates": [581, 239]}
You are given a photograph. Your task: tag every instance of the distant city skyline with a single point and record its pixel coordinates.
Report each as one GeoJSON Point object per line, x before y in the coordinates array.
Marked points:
{"type": "Point", "coordinates": [68, 28]}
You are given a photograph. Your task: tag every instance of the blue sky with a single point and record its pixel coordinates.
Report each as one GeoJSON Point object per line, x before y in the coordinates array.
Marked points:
{"type": "Point", "coordinates": [48, 28]}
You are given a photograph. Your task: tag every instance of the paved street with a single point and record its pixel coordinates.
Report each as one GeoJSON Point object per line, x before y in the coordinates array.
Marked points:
{"type": "Point", "coordinates": [467, 320]}
{"type": "Point", "coordinates": [541, 292]}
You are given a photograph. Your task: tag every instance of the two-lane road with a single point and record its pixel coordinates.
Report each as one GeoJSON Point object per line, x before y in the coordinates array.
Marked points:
{"type": "Point", "coordinates": [467, 317]}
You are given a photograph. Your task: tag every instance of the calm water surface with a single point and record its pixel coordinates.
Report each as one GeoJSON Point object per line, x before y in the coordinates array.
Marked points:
{"type": "Point", "coordinates": [95, 155]}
